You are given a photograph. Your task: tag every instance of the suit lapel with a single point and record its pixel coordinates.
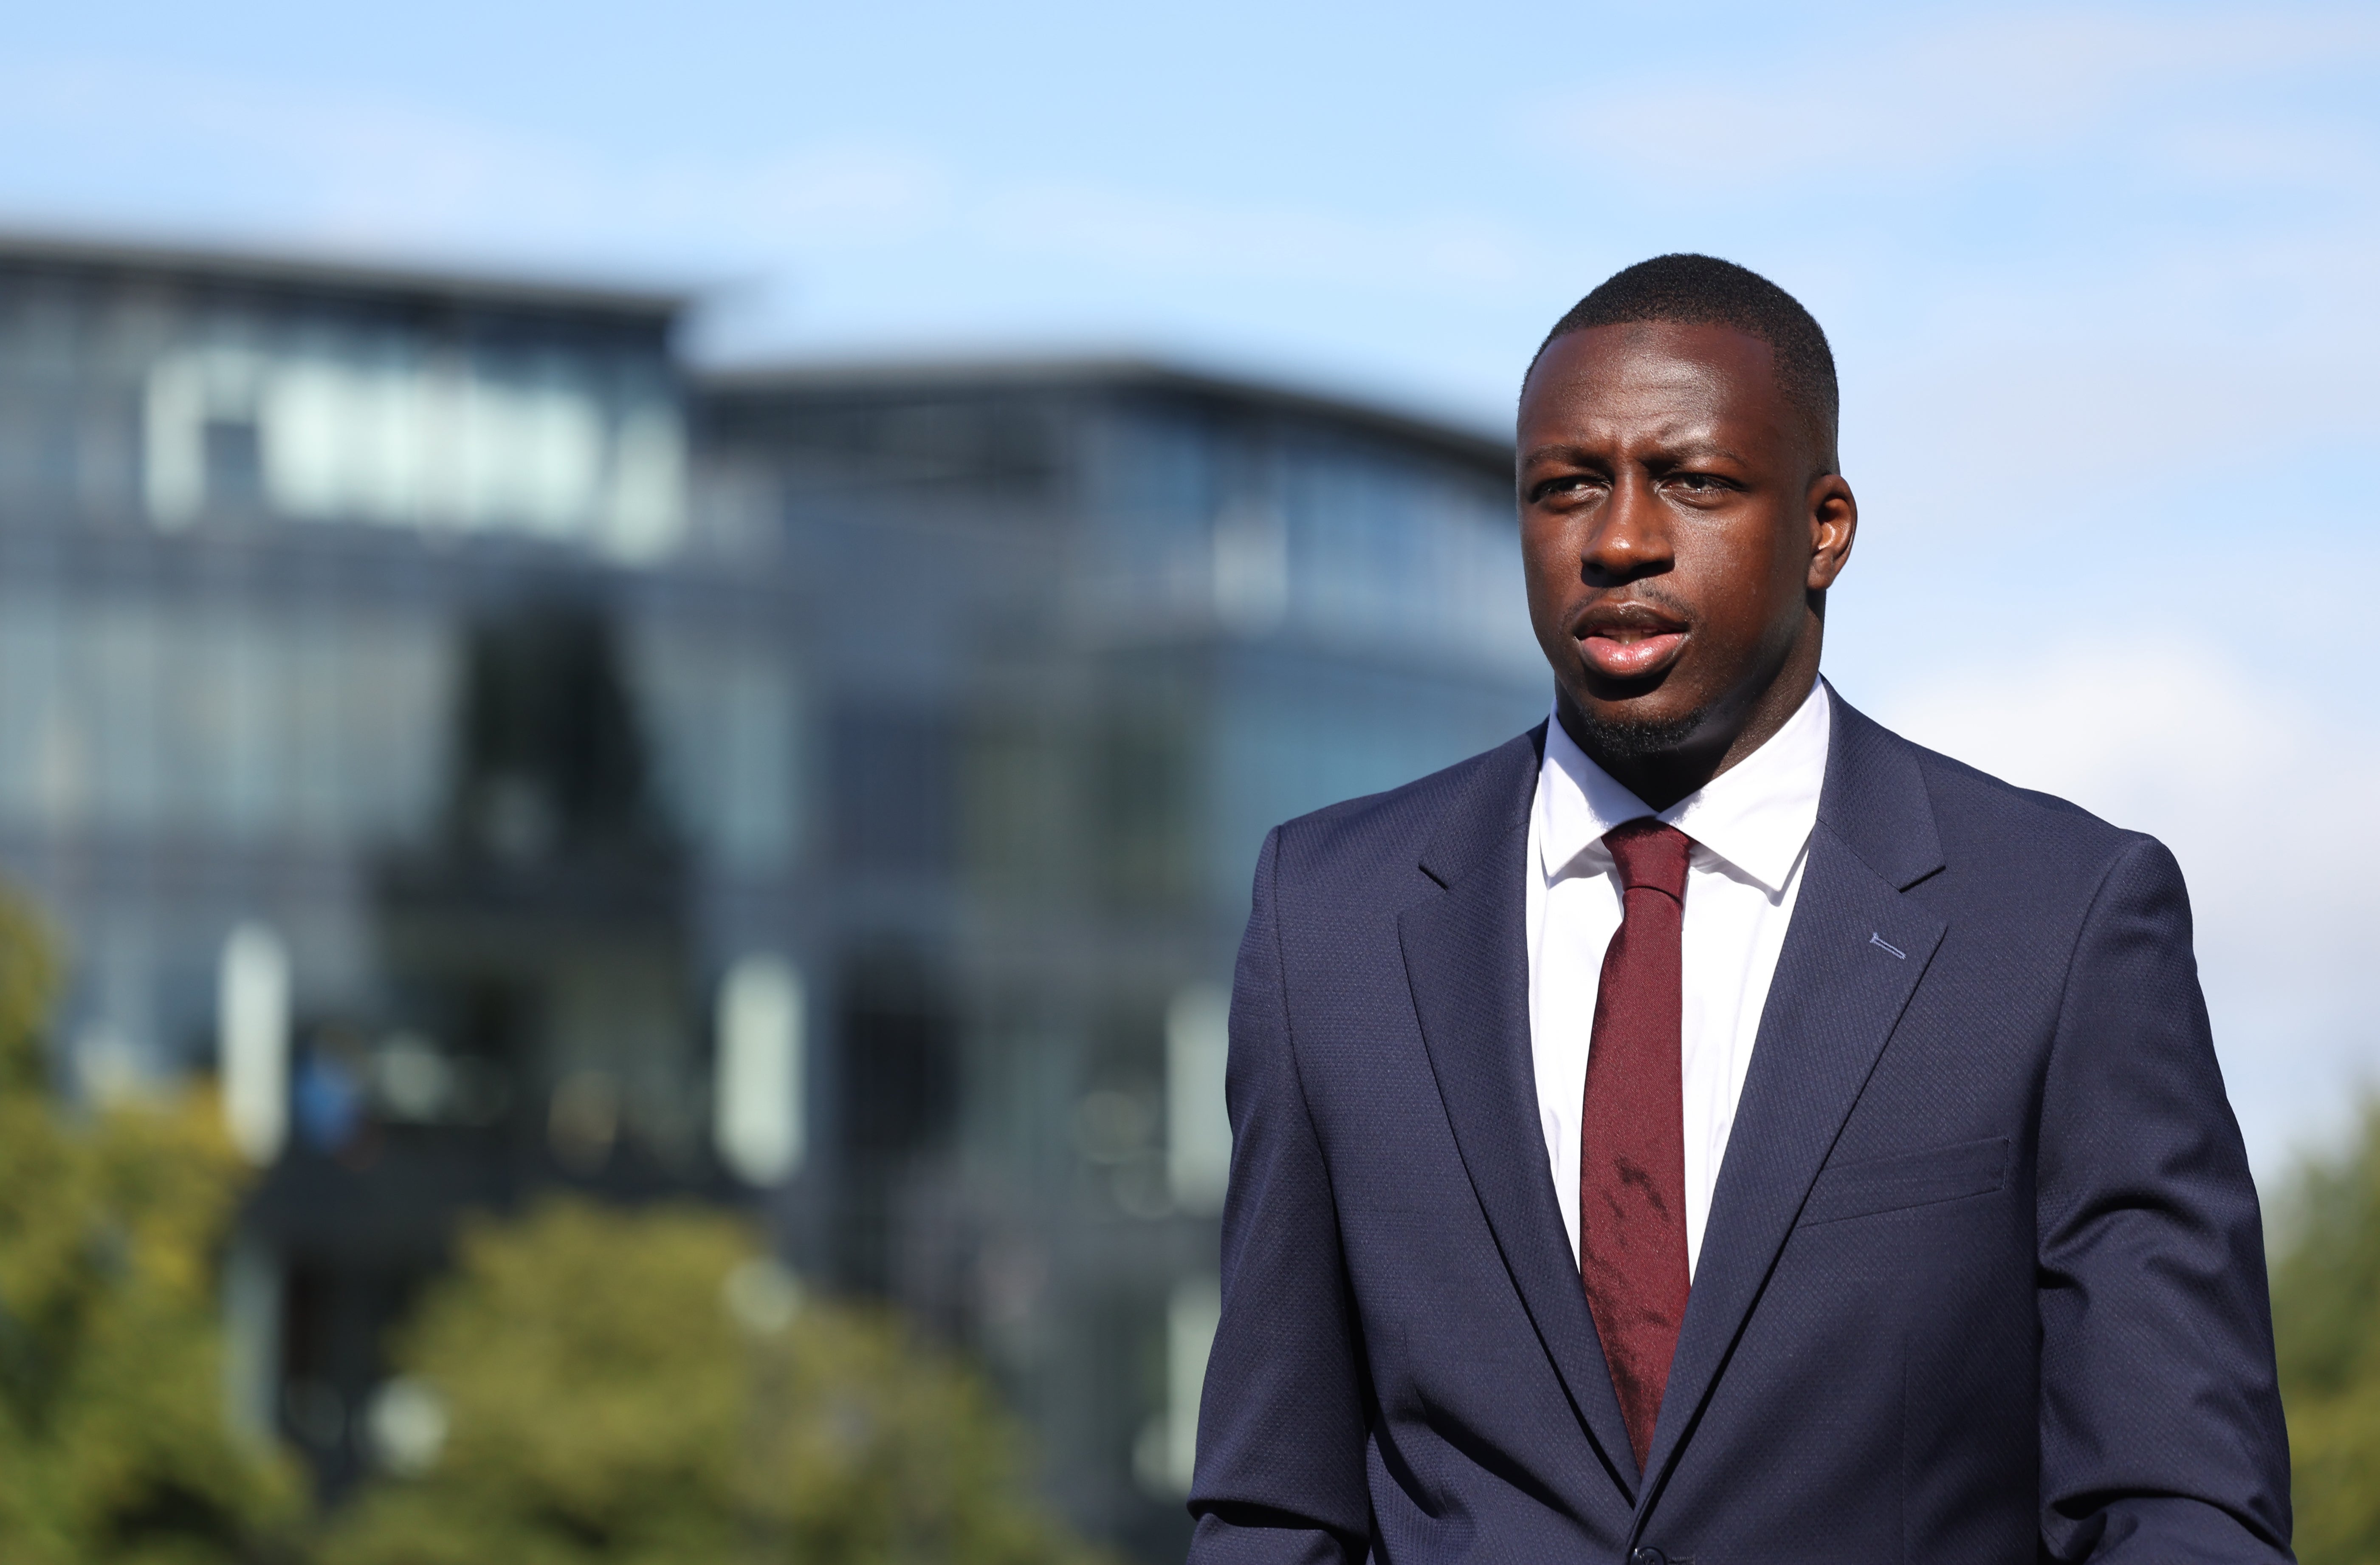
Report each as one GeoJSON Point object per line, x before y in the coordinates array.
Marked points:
{"type": "Point", "coordinates": [1852, 958]}
{"type": "Point", "coordinates": [1466, 960]}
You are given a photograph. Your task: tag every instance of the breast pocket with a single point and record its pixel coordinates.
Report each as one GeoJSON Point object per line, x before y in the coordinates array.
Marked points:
{"type": "Point", "coordinates": [1905, 1180]}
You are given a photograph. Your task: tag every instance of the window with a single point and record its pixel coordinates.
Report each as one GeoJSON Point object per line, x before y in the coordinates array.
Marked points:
{"type": "Point", "coordinates": [234, 463]}
{"type": "Point", "coordinates": [893, 790]}
{"type": "Point", "coordinates": [408, 432]}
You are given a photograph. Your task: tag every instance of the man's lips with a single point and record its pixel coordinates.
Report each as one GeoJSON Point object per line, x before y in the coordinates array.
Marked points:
{"type": "Point", "coordinates": [1628, 640]}
{"type": "Point", "coordinates": [1630, 655]}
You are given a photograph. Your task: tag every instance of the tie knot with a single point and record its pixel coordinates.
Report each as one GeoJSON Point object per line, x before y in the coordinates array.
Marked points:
{"type": "Point", "coordinates": [1651, 856]}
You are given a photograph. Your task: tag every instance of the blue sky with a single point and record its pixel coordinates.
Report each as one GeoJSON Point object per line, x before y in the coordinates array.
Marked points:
{"type": "Point", "coordinates": [2101, 281]}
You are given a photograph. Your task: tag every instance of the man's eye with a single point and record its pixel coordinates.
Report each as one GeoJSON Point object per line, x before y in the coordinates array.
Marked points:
{"type": "Point", "coordinates": [1698, 483]}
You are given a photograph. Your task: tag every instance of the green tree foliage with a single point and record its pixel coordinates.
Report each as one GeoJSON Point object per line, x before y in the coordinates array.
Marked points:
{"type": "Point", "coordinates": [113, 1445]}
{"type": "Point", "coordinates": [644, 1387]}
{"type": "Point", "coordinates": [2327, 1319]}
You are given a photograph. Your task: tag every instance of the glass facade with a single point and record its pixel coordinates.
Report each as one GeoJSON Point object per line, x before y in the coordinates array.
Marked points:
{"type": "Point", "coordinates": [379, 725]}
{"type": "Point", "coordinates": [1093, 629]}
{"type": "Point", "coordinates": [512, 761]}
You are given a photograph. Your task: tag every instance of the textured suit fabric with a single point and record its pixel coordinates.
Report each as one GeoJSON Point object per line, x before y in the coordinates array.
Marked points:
{"type": "Point", "coordinates": [1632, 1181]}
{"type": "Point", "coordinates": [1982, 1278]}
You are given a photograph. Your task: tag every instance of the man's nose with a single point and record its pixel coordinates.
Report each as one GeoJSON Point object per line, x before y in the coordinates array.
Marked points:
{"type": "Point", "coordinates": [1631, 537]}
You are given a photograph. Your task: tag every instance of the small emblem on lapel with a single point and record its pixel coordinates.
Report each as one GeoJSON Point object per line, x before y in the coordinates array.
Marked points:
{"type": "Point", "coordinates": [1876, 939]}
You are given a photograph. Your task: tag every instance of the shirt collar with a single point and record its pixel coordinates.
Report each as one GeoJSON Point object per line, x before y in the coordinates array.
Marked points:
{"type": "Point", "coordinates": [1756, 816]}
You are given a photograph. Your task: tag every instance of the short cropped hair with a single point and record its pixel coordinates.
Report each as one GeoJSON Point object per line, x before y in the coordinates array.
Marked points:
{"type": "Point", "coordinates": [1703, 290]}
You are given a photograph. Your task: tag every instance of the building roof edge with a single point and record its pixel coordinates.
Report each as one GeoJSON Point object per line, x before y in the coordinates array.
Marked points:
{"type": "Point", "coordinates": [326, 270]}
{"type": "Point", "coordinates": [1122, 371]}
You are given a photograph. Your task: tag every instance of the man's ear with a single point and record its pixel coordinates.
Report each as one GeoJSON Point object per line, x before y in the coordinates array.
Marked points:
{"type": "Point", "coordinates": [1834, 521]}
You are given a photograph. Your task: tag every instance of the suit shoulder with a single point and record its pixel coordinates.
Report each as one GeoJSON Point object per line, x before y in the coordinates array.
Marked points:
{"type": "Point", "coordinates": [1392, 827]}
{"type": "Point", "coordinates": [2021, 824]}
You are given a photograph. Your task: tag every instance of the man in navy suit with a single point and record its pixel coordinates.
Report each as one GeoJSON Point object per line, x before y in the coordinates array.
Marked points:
{"type": "Point", "coordinates": [1710, 1127]}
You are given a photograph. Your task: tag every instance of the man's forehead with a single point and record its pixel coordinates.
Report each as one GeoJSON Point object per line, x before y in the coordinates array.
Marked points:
{"type": "Point", "coordinates": [1683, 376]}
{"type": "Point", "coordinates": [1680, 350]}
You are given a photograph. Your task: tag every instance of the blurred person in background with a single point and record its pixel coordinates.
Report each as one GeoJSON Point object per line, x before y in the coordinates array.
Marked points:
{"type": "Point", "coordinates": [1709, 1126]}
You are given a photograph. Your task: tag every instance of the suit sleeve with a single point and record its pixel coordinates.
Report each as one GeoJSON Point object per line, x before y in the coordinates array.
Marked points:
{"type": "Point", "coordinates": [2161, 1434]}
{"type": "Point", "coordinates": [1281, 1470]}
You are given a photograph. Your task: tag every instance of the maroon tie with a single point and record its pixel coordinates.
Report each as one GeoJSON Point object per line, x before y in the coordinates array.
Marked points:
{"type": "Point", "coordinates": [1631, 1166]}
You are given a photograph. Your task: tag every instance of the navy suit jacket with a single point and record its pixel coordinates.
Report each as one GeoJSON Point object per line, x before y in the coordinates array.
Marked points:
{"type": "Point", "coordinates": [1983, 1279]}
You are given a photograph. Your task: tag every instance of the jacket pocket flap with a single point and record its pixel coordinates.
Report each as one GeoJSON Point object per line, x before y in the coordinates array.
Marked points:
{"type": "Point", "coordinates": [1910, 1179]}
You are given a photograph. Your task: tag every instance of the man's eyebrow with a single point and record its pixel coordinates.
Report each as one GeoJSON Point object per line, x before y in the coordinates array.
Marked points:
{"type": "Point", "coordinates": [1702, 450]}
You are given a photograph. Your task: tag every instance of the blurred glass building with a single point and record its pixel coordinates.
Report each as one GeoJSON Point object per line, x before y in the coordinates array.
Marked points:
{"type": "Point", "coordinates": [512, 760]}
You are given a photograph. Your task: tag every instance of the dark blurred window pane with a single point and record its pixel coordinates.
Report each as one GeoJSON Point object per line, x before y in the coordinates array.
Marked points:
{"type": "Point", "coordinates": [235, 464]}
{"type": "Point", "coordinates": [1145, 772]}
{"type": "Point", "coordinates": [899, 1095]}
{"type": "Point", "coordinates": [894, 790]}
{"type": "Point", "coordinates": [900, 1061]}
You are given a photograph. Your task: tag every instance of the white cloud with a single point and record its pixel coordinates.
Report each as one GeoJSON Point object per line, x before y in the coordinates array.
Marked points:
{"type": "Point", "coordinates": [1982, 92]}
{"type": "Point", "coordinates": [2264, 796]}
{"type": "Point", "coordinates": [358, 169]}
{"type": "Point", "coordinates": [1169, 234]}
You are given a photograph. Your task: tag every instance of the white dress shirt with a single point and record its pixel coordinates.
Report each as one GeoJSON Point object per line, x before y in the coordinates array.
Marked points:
{"type": "Point", "coordinates": [1751, 829]}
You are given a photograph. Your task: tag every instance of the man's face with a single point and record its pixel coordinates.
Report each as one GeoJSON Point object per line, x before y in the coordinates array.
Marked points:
{"type": "Point", "coordinates": [1675, 517]}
